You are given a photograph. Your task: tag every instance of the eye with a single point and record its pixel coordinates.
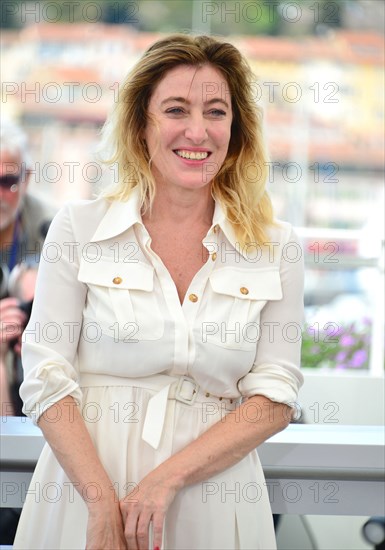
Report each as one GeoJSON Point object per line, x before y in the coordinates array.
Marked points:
{"type": "Point", "coordinates": [217, 112]}
{"type": "Point", "coordinates": [175, 111]}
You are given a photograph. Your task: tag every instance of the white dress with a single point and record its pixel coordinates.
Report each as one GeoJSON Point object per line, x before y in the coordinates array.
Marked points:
{"type": "Point", "coordinates": [149, 374]}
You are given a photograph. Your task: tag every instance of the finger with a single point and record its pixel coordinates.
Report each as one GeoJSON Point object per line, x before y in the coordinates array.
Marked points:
{"type": "Point", "coordinates": [157, 527]}
{"type": "Point", "coordinates": [12, 326]}
{"type": "Point", "coordinates": [12, 315]}
{"type": "Point", "coordinates": [10, 308]}
{"type": "Point", "coordinates": [11, 330]}
{"type": "Point", "coordinates": [142, 531]}
{"type": "Point", "coordinates": [9, 335]}
{"type": "Point", "coordinates": [9, 302]}
{"type": "Point", "coordinates": [130, 527]}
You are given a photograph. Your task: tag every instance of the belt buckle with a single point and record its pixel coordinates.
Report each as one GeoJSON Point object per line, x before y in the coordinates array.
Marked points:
{"type": "Point", "coordinates": [195, 389]}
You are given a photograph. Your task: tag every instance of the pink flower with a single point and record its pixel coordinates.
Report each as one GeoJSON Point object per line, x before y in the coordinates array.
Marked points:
{"type": "Point", "coordinates": [359, 358]}
{"type": "Point", "coordinates": [341, 356]}
{"type": "Point", "coordinates": [347, 340]}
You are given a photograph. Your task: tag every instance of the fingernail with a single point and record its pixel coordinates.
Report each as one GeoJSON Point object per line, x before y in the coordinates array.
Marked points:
{"type": "Point", "coordinates": [156, 548]}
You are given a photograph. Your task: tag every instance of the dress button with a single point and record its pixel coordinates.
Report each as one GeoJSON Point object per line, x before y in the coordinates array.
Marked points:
{"type": "Point", "coordinates": [117, 280]}
{"type": "Point", "coordinates": [215, 228]}
{"type": "Point", "coordinates": [244, 290]}
{"type": "Point", "coordinates": [207, 394]}
{"type": "Point", "coordinates": [193, 298]}
{"type": "Point", "coordinates": [214, 256]}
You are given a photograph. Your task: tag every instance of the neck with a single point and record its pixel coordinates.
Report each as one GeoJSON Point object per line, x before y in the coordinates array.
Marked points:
{"type": "Point", "coordinates": [182, 206]}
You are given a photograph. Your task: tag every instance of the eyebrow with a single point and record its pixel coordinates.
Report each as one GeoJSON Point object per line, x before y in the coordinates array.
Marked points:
{"type": "Point", "coordinates": [184, 100]}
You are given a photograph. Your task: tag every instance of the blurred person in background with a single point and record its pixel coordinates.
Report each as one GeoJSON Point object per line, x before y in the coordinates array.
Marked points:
{"type": "Point", "coordinates": [24, 221]}
{"type": "Point", "coordinates": [152, 414]}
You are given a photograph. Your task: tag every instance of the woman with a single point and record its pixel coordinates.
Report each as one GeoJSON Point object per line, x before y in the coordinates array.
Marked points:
{"type": "Point", "coordinates": [171, 298]}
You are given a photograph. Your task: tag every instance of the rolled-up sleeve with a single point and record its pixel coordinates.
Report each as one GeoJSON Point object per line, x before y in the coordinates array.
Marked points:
{"type": "Point", "coordinates": [275, 373]}
{"type": "Point", "coordinates": [50, 340]}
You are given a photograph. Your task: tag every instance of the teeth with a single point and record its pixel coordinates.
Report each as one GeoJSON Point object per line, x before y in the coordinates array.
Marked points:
{"type": "Point", "coordinates": [192, 155]}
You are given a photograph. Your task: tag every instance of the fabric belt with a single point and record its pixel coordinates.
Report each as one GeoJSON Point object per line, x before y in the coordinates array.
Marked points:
{"type": "Point", "coordinates": [169, 390]}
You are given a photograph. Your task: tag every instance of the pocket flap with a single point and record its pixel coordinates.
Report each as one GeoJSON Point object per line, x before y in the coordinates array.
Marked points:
{"type": "Point", "coordinates": [119, 275]}
{"type": "Point", "coordinates": [247, 284]}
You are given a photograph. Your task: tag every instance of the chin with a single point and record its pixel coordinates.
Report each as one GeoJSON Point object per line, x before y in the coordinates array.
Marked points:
{"type": "Point", "coordinates": [194, 184]}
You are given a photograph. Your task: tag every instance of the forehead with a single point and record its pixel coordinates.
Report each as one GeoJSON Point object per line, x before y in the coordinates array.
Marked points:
{"type": "Point", "coordinates": [192, 83]}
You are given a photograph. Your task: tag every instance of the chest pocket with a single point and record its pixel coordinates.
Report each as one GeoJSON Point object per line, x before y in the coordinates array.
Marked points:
{"type": "Point", "coordinates": [236, 300]}
{"type": "Point", "coordinates": [121, 299]}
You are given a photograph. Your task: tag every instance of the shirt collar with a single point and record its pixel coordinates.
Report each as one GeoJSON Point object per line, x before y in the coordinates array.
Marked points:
{"type": "Point", "coordinates": [121, 215]}
{"type": "Point", "coordinates": [221, 221]}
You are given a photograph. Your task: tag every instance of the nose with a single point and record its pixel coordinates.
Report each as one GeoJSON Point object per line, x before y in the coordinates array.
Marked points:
{"type": "Point", "coordinates": [196, 129]}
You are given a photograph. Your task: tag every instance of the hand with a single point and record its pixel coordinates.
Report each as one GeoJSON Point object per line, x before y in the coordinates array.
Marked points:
{"type": "Point", "coordinates": [105, 528]}
{"type": "Point", "coordinates": [12, 323]}
{"type": "Point", "coordinates": [149, 501]}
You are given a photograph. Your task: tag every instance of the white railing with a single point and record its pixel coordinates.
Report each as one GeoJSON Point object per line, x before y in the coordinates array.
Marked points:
{"type": "Point", "coordinates": [309, 469]}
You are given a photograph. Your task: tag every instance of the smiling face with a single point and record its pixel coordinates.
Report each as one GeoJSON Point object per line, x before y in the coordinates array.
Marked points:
{"type": "Point", "coordinates": [189, 126]}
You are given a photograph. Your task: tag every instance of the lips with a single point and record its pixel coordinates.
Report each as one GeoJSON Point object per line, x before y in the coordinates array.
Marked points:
{"type": "Point", "coordinates": [192, 155]}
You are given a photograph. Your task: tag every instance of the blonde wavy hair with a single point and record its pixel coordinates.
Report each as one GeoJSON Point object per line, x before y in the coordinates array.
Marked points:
{"type": "Point", "coordinates": [240, 183]}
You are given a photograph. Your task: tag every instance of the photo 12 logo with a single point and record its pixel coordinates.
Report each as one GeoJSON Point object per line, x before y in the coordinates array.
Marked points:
{"type": "Point", "coordinates": [272, 11]}
{"type": "Point", "coordinates": [69, 12]}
